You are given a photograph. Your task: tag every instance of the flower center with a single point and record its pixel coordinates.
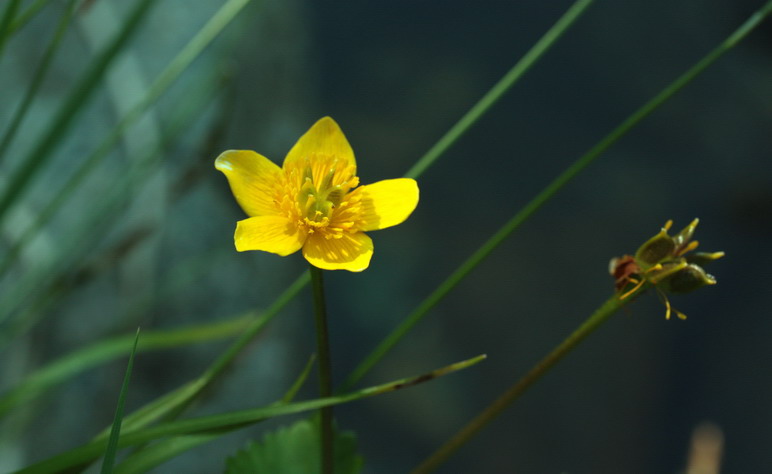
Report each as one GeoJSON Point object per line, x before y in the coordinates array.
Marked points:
{"type": "Point", "coordinates": [321, 202]}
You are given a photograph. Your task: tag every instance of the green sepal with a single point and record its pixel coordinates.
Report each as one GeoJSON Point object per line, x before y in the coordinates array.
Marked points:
{"type": "Point", "coordinates": [656, 249]}
{"type": "Point", "coordinates": [687, 279]}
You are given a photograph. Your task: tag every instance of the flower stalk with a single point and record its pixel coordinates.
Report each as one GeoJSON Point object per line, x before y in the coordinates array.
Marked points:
{"type": "Point", "coordinates": [493, 410]}
{"type": "Point", "coordinates": [325, 371]}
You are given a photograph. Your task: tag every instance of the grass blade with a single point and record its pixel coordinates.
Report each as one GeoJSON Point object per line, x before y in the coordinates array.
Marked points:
{"type": "Point", "coordinates": [232, 420]}
{"type": "Point", "coordinates": [26, 16]}
{"type": "Point", "coordinates": [5, 22]}
{"type": "Point", "coordinates": [158, 453]}
{"type": "Point", "coordinates": [160, 85]}
{"type": "Point", "coordinates": [115, 432]}
{"type": "Point", "coordinates": [547, 193]}
{"type": "Point", "coordinates": [500, 88]}
{"type": "Point", "coordinates": [38, 77]}
{"type": "Point", "coordinates": [71, 109]}
{"type": "Point", "coordinates": [52, 278]}
{"type": "Point", "coordinates": [66, 367]}
{"type": "Point", "coordinates": [177, 400]}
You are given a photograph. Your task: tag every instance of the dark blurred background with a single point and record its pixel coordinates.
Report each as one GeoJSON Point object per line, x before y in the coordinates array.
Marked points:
{"type": "Point", "coordinates": [396, 75]}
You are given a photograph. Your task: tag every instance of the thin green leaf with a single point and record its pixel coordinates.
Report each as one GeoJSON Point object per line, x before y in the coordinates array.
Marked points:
{"type": "Point", "coordinates": [37, 78]}
{"type": "Point", "coordinates": [293, 390]}
{"type": "Point", "coordinates": [5, 22]}
{"type": "Point", "coordinates": [547, 193]}
{"type": "Point", "coordinates": [233, 420]}
{"type": "Point", "coordinates": [500, 88]}
{"type": "Point", "coordinates": [115, 432]}
{"type": "Point", "coordinates": [54, 277]}
{"type": "Point", "coordinates": [192, 50]}
{"type": "Point", "coordinates": [160, 452]}
{"type": "Point", "coordinates": [64, 118]}
{"type": "Point", "coordinates": [91, 356]}
{"type": "Point", "coordinates": [294, 449]}
{"type": "Point", "coordinates": [27, 15]}
{"type": "Point", "coordinates": [176, 401]}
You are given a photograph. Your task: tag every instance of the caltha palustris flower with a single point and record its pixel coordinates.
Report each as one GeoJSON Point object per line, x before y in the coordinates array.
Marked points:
{"type": "Point", "coordinates": [314, 201]}
{"type": "Point", "coordinates": [662, 262]}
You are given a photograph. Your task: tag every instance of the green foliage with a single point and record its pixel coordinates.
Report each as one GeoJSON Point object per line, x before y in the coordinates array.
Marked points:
{"type": "Point", "coordinates": [294, 449]}
{"type": "Point", "coordinates": [115, 431]}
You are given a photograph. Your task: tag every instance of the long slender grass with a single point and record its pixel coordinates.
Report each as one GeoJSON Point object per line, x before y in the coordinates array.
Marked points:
{"type": "Point", "coordinates": [60, 124]}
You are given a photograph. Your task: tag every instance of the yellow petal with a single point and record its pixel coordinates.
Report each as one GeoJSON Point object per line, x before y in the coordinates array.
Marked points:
{"type": "Point", "coordinates": [351, 252]}
{"type": "Point", "coordinates": [273, 234]}
{"type": "Point", "coordinates": [253, 179]}
{"type": "Point", "coordinates": [387, 203]}
{"type": "Point", "coordinates": [323, 140]}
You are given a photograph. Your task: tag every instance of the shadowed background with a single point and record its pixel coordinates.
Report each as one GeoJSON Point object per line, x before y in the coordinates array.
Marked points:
{"type": "Point", "coordinates": [395, 77]}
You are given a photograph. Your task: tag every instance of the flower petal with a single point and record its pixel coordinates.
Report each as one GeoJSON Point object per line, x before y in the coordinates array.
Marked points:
{"type": "Point", "coordinates": [323, 139]}
{"type": "Point", "coordinates": [351, 252]}
{"type": "Point", "coordinates": [253, 179]}
{"type": "Point", "coordinates": [275, 234]}
{"type": "Point", "coordinates": [387, 203]}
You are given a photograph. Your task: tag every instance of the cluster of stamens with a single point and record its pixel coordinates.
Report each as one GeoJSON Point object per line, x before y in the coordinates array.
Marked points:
{"type": "Point", "coordinates": [318, 196]}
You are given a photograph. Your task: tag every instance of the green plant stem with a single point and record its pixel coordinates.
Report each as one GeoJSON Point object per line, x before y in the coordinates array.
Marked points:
{"type": "Point", "coordinates": [325, 371]}
{"type": "Point", "coordinates": [513, 393]}
{"type": "Point", "coordinates": [546, 194]}
{"type": "Point", "coordinates": [497, 91]}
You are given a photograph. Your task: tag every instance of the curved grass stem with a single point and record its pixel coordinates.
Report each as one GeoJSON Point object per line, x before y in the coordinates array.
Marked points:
{"type": "Point", "coordinates": [547, 193]}
{"type": "Point", "coordinates": [500, 88]}
{"type": "Point", "coordinates": [513, 393]}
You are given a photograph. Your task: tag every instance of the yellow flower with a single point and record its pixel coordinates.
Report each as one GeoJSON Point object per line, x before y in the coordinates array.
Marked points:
{"type": "Point", "coordinates": [313, 202]}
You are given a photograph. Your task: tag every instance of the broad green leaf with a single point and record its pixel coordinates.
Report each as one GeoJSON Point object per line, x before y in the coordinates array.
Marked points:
{"type": "Point", "coordinates": [294, 449]}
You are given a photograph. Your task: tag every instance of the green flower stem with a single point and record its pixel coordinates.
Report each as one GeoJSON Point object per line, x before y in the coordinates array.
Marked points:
{"type": "Point", "coordinates": [513, 393]}
{"type": "Point", "coordinates": [497, 91]}
{"type": "Point", "coordinates": [546, 194]}
{"type": "Point", "coordinates": [325, 371]}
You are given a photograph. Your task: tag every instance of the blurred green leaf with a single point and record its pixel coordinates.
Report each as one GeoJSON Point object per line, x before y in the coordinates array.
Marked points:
{"type": "Point", "coordinates": [5, 22]}
{"type": "Point", "coordinates": [115, 432]}
{"type": "Point", "coordinates": [160, 452]}
{"type": "Point", "coordinates": [79, 361]}
{"type": "Point", "coordinates": [232, 420]}
{"type": "Point", "coordinates": [294, 449]}
{"type": "Point", "coordinates": [71, 108]}
{"type": "Point", "coordinates": [37, 79]}
{"type": "Point", "coordinates": [27, 15]}
{"type": "Point", "coordinates": [74, 261]}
